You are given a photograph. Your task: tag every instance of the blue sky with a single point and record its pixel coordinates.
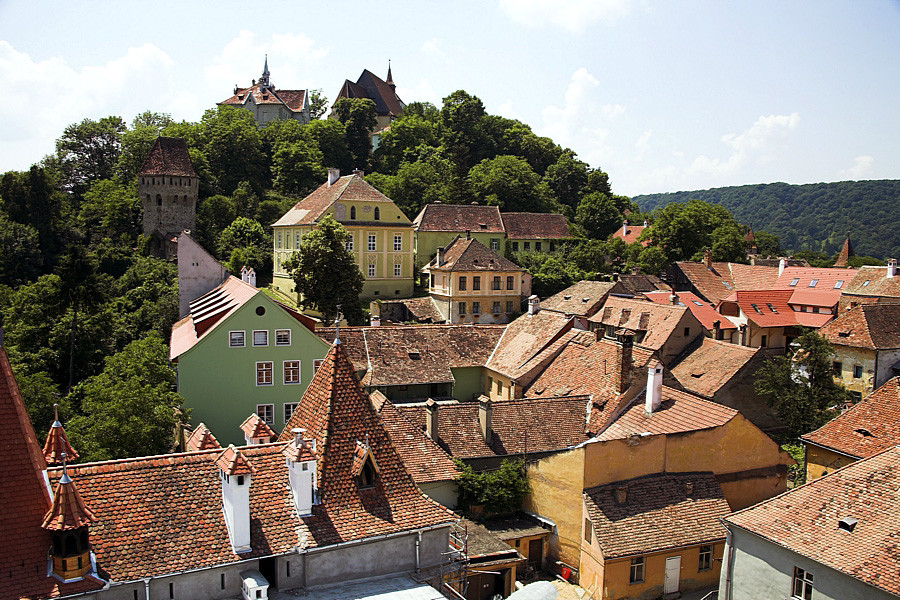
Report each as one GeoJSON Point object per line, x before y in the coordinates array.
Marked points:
{"type": "Point", "coordinates": [662, 95]}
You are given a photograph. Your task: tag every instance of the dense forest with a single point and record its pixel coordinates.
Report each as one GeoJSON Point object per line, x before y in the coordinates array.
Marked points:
{"type": "Point", "coordinates": [815, 216]}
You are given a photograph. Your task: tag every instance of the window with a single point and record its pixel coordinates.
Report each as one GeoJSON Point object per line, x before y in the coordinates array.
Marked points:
{"type": "Point", "coordinates": [296, 240]}
{"type": "Point", "coordinates": [771, 307]}
{"type": "Point", "coordinates": [836, 368]}
{"type": "Point", "coordinates": [279, 241]}
{"type": "Point", "coordinates": [495, 244]}
{"type": "Point", "coordinates": [495, 308]}
{"type": "Point", "coordinates": [352, 212]}
{"type": "Point", "coordinates": [291, 371]}
{"type": "Point", "coordinates": [515, 246]}
{"type": "Point", "coordinates": [526, 245]}
{"type": "Point", "coordinates": [587, 530]}
{"type": "Point", "coordinates": [462, 284]}
{"type": "Point", "coordinates": [264, 373]}
{"type": "Point", "coordinates": [367, 474]}
{"type": "Point", "coordinates": [371, 243]}
{"type": "Point", "coordinates": [838, 284]}
{"type": "Point", "coordinates": [813, 282]}
{"type": "Point", "coordinates": [349, 243]}
{"type": "Point", "coordinates": [289, 408]}
{"type": "Point", "coordinates": [261, 338]}
{"type": "Point", "coordinates": [499, 387]}
{"type": "Point", "coordinates": [705, 563]}
{"type": "Point", "coordinates": [687, 332]}
{"type": "Point", "coordinates": [236, 339]}
{"type": "Point", "coordinates": [510, 282]}
{"type": "Point", "coordinates": [398, 270]}
{"type": "Point", "coordinates": [317, 362]}
{"type": "Point", "coordinates": [794, 281]}
{"type": "Point", "coordinates": [866, 283]}
{"type": "Point", "coordinates": [637, 570]}
{"type": "Point", "coordinates": [476, 282]}
{"type": "Point", "coordinates": [398, 243]}
{"type": "Point", "coordinates": [476, 308]}
{"type": "Point", "coordinates": [462, 308]}
{"type": "Point", "coordinates": [756, 308]}
{"type": "Point", "coordinates": [377, 214]}
{"type": "Point", "coordinates": [490, 384]}
{"type": "Point", "coordinates": [371, 271]}
{"type": "Point", "coordinates": [282, 337]}
{"type": "Point", "coordinates": [763, 343]}
{"type": "Point", "coordinates": [432, 280]}
{"type": "Point", "coordinates": [266, 412]}
{"type": "Point", "coordinates": [802, 584]}
{"type": "Point", "coordinates": [857, 371]}
{"type": "Point", "coordinates": [509, 306]}
{"type": "Point", "coordinates": [495, 284]}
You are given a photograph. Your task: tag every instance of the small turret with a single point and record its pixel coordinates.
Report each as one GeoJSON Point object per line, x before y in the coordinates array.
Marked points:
{"type": "Point", "coordinates": [390, 78]}
{"type": "Point", "coordinates": [67, 521]}
{"type": "Point", "coordinates": [57, 445]}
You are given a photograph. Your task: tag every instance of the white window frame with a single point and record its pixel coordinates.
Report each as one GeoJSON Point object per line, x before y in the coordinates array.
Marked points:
{"type": "Point", "coordinates": [317, 362]}
{"type": "Point", "coordinates": [280, 332]}
{"type": "Point", "coordinates": [805, 579]}
{"type": "Point", "coordinates": [372, 241]}
{"type": "Point", "coordinates": [243, 343]}
{"type": "Point", "coordinates": [266, 332]}
{"type": "Point", "coordinates": [398, 270]}
{"type": "Point", "coordinates": [348, 245]}
{"type": "Point", "coordinates": [398, 243]}
{"type": "Point", "coordinates": [284, 372]}
{"type": "Point", "coordinates": [266, 410]}
{"type": "Point", "coordinates": [261, 368]}
{"type": "Point", "coordinates": [288, 406]}
{"type": "Point", "coordinates": [371, 270]}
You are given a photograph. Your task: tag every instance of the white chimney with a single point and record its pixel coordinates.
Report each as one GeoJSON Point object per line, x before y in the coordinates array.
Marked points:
{"type": "Point", "coordinates": [654, 387]}
{"type": "Point", "coordinates": [485, 412]}
{"type": "Point", "coordinates": [431, 419]}
{"type": "Point", "coordinates": [333, 175]}
{"type": "Point", "coordinates": [251, 277]}
{"type": "Point", "coordinates": [534, 305]}
{"type": "Point", "coordinates": [892, 268]}
{"type": "Point", "coordinates": [782, 263]}
{"type": "Point", "coordinates": [235, 473]}
{"type": "Point", "coordinates": [376, 320]}
{"type": "Point", "coordinates": [646, 223]}
{"type": "Point", "coordinates": [301, 464]}
{"type": "Point", "coordinates": [625, 227]}
{"type": "Point", "coordinates": [439, 256]}
{"type": "Point", "coordinates": [244, 274]}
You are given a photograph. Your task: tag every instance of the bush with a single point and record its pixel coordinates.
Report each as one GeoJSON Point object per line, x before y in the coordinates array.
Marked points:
{"type": "Point", "coordinates": [499, 491]}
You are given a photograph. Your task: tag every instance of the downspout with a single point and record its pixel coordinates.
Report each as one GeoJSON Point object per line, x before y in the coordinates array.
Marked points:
{"type": "Point", "coordinates": [418, 543]}
{"type": "Point", "coordinates": [147, 588]}
{"type": "Point", "coordinates": [727, 562]}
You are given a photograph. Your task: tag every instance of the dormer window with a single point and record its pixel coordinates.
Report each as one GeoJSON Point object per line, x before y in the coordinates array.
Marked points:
{"type": "Point", "coordinates": [365, 470]}
{"type": "Point", "coordinates": [794, 281]}
{"type": "Point", "coordinates": [813, 283]}
{"type": "Point", "coordinates": [367, 475]}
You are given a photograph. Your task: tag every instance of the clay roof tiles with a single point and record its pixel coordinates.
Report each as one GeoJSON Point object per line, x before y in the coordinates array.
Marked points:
{"type": "Point", "coordinates": [202, 439]}
{"type": "Point", "coordinates": [713, 365]}
{"type": "Point", "coordinates": [723, 278]}
{"type": "Point", "coordinates": [583, 298]}
{"type": "Point", "coordinates": [771, 308]}
{"type": "Point", "coordinates": [705, 313]}
{"type": "Point", "coordinates": [871, 326]}
{"type": "Point", "coordinates": [630, 234]}
{"type": "Point", "coordinates": [231, 462]}
{"type": "Point", "coordinates": [254, 427]}
{"type": "Point", "coordinates": [661, 511]}
{"type": "Point", "coordinates": [637, 283]}
{"type": "Point", "coordinates": [529, 226]}
{"type": "Point", "coordinates": [657, 320]}
{"type": "Point", "coordinates": [471, 255]}
{"type": "Point", "coordinates": [459, 218]}
{"type": "Point", "coordinates": [806, 520]}
{"type": "Point", "coordinates": [292, 99]}
{"type": "Point", "coordinates": [57, 444]}
{"type": "Point", "coordinates": [347, 188]}
{"type": "Point", "coordinates": [68, 510]}
{"type": "Point", "coordinates": [873, 281]}
{"type": "Point", "coordinates": [168, 156]}
{"type": "Point", "coordinates": [524, 338]}
{"type": "Point", "coordinates": [866, 428]}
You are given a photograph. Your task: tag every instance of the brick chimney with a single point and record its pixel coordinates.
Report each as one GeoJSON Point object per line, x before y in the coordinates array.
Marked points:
{"type": "Point", "coordinates": [333, 175]}
{"type": "Point", "coordinates": [431, 419]}
{"type": "Point", "coordinates": [654, 387]}
{"type": "Point", "coordinates": [485, 411]}
{"type": "Point", "coordinates": [621, 372]}
{"type": "Point", "coordinates": [707, 259]}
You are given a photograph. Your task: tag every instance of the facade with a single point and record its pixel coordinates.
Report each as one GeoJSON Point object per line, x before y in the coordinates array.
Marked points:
{"type": "Point", "coordinates": [537, 232]}
{"type": "Point", "coordinates": [872, 285]}
{"type": "Point", "coordinates": [834, 538]}
{"type": "Point", "coordinates": [713, 323]}
{"type": "Point", "coordinates": [866, 344]}
{"type": "Point", "coordinates": [381, 236]}
{"type": "Point", "coordinates": [268, 104]}
{"type": "Point", "coordinates": [470, 283]}
{"type": "Point", "coordinates": [438, 224]}
{"type": "Point", "coordinates": [265, 355]}
{"type": "Point", "coordinates": [167, 187]}
{"type": "Point", "coordinates": [198, 272]}
{"type": "Point", "coordinates": [388, 105]}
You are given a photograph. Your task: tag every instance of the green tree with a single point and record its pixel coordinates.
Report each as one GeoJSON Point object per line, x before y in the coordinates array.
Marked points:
{"type": "Point", "coordinates": [728, 244]}
{"type": "Point", "coordinates": [500, 491]}
{"type": "Point", "coordinates": [88, 151]}
{"type": "Point", "coordinates": [297, 168]}
{"type": "Point", "coordinates": [331, 137]}
{"type": "Point", "coordinates": [567, 178]}
{"type": "Point", "coordinates": [29, 198]}
{"type": "Point", "coordinates": [233, 147]}
{"type": "Point", "coordinates": [767, 244]}
{"type": "Point", "coordinates": [510, 183]}
{"type": "Point", "coordinates": [359, 118]}
{"type": "Point", "coordinates": [318, 104]}
{"type": "Point", "coordinates": [110, 209]}
{"type": "Point", "coordinates": [20, 255]}
{"type": "Point", "coordinates": [241, 233]}
{"type": "Point", "coordinates": [415, 184]}
{"type": "Point", "coordinates": [684, 230]}
{"type": "Point", "coordinates": [652, 259]}
{"type": "Point", "coordinates": [325, 272]}
{"type": "Point", "coordinates": [550, 272]}
{"type": "Point", "coordinates": [598, 215]}
{"type": "Point", "coordinates": [130, 408]}
{"type": "Point", "coordinates": [801, 388]}
{"type": "Point", "coordinates": [402, 143]}
{"type": "Point", "coordinates": [214, 214]}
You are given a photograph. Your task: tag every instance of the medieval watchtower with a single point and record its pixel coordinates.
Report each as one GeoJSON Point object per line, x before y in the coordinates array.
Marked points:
{"type": "Point", "coordinates": [167, 186]}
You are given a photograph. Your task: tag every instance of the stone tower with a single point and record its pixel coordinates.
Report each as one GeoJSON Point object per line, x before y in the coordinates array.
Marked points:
{"type": "Point", "coordinates": [167, 186]}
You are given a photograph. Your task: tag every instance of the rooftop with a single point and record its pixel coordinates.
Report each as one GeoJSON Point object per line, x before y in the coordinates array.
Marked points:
{"type": "Point", "coordinates": [657, 321]}
{"type": "Point", "coordinates": [583, 298]}
{"type": "Point", "coordinates": [373, 87]}
{"type": "Point", "coordinates": [168, 156]}
{"type": "Point", "coordinates": [524, 339]}
{"type": "Point", "coordinates": [347, 188]}
{"type": "Point", "coordinates": [630, 233]}
{"type": "Point", "coordinates": [463, 255]}
{"type": "Point", "coordinates": [872, 326]}
{"type": "Point", "coordinates": [873, 281]}
{"type": "Point", "coordinates": [705, 313]}
{"type": "Point", "coordinates": [459, 218]}
{"type": "Point", "coordinates": [723, 278]}
{"type": "Point", "coordinates": [712, 365]}
{"type": "Point", "coordinates": [529, 226]}
{"type": "Point", "coordinates": [294, 100]}
{"type": "Point", "coordinates": [772, 308]}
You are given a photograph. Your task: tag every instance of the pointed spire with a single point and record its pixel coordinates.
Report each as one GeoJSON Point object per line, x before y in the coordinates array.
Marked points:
{"type": "Point", "coordinates": [264, 78]}
{"type": "Point", "coordinates": [390, 78]}
{"type": "Point", "coordinates": [846, 253]}
{"type": "Point", "coordinates": [266, 66]}
{"type": "Point", "coordinates": [68, 510]}
{"type": "Point", "coordinates": [57, 445]}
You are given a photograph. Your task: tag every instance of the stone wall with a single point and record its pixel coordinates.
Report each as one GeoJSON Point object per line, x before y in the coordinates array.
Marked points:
{"type": "Point", "coordinates": [170, 203]}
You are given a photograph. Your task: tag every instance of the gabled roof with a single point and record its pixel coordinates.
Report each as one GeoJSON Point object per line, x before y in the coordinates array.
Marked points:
{"type": "Point", "coordinates": [530, 226]}
{"type": "Point", "coordinates": [660, 511]}
{"type": "Point", "coordinates": [231, 462]}
{"type": "Point", "coordinates": [846, 254]}
{"type": "Point", "coordinates": [423, 458]}
{"type": "Point", "coordinates": [805, 520]}
{"type": "Point", "coordinates": [657, 320]}
{"type": "Point", "coordinates": [518, 426]}
{"type": "Point", "coordinates": [336, 412]}
{"type": "Point", "coordinates": [637, 283]}
{"type": "Point", "coordinates": [772, 308]}
{"type": "Point", "coordinates": [397, 355]}
{"type": "Point", "coordinates": [867, 427]}
{"type": "Point", "coordinates": [371, 86]}
{"type": "Point", "coordinates": [524, 339]}
{"type": "Point", "coordinates": [347, 188]}
{"type": "Point", "coordinates": [723, 278]}
{"type": "Point", "coordinates": [814, 278]}
{"type": "Point", "coordinates": [464, 255]}
{"type": "Point", "coordinates": [872, 326]}
{"type": "Point", "coordinates": [630, 234]}
{"type": "Point", "coordinates": [254, 427]}
{"type": "Point", "coordinates": [293, 100]}
{"type": "Point", "coordinates": [201, 439]}
{"type": "Point", "coordinates": [583, 298]}
{"type": "Point", "coordinates": [458, 218]}
{"type": "Point", "coordinates": [713, 365]}
{"type": "Point", "coordinates": [705, 313]}
{"type": "Point", "coordinates": [168, 156]}
{"type": "Point", "coordinates": [873, 281]}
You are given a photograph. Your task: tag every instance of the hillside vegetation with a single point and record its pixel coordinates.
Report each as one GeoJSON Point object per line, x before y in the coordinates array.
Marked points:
{"type": "Point", "coordinates": [814, 216]}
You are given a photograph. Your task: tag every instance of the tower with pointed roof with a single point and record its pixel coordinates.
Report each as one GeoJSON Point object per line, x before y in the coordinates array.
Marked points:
{"type": "Point", "coordinates": [846, 254]}
{"type": "Point", "coordinates": [268, 103]}
{"type": "Point", "coordinates": [167, 186]}
{"type": "Point", "coordinates": [388, 105]}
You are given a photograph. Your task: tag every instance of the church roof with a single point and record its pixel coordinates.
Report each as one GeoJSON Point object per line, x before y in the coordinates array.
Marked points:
{"type": "Point", "coordinates": [169, 156]}
{"type": "Point", "coordinates": [373, 87]}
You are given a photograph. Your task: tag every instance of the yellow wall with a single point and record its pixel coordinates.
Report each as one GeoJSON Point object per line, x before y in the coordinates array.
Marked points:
{"type": "Point", "coordinates": [556, 486]}
{"type": "Point", "coordinates": [850, 357]}
{"type": "Point", "coordinates": [489, 385]}
{"type": "Point", "coordinates": [820, 461]}
{"type": "Point", "coordinates": [446, 289]}
{"type": "Point", "coordinates": [617, 574]}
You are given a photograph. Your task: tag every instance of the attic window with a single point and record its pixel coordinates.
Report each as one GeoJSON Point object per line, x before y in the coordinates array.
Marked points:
{"type": "Point", "coordinates": [838, 284]}
{"type": "Point", "coordinates": [697, 302]}
{"type": "Point", "coordinates": [367, 474]}
{"type": "Point", "coordinates": [847, 523]}
{"type": "Point", "coordinates": [414, 355]}
{"type": "Point", "coordinates": [794, 281]}
{"type": "Point", "coordinates": [772, 308]}
{"type": "Point", "coordinates": [866, 282]}
{"type": "Point", "coordinates": [585, 300]}
{"type": "Point", "coordinates": [843, 334]}
{"type": "Point", "coordinates": [697, 375]}
{"type": "Point", "coordinates": [483, 225]}
{"type": "Point", "coordinates": [756, 308]}
{"type": "Point", "coordinates": [567, 297]}
{"type": "Point", "coordinates": [813, 283]}
{"type": "Point", "coordinates": [863, 432]}
{"type": "Point", "coordinates": [726, 284]}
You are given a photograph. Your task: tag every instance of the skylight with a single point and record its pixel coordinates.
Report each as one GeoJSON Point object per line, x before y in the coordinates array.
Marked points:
{"type": "Point", "coordinates": [772, 308]}
{"type": "Point", "coordinates": [866, 282]}
{"type": "Point", "coordinates": [794, 281]}
{"type": "Point", "coordinates": [813, 283]}
{"type": "Point", "coordinates": [756, 308]}
{"type": "Point", "coordinates": [838, 284]}
{"type": "Point", "coordinates": [726, 284]}
{"type": "Point", "coordinates": [697, 302]}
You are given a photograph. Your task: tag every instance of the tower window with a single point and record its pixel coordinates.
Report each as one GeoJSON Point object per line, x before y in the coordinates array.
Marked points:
{"type": "Point", "coordinates": [352, 212]}
{"type": "Point", "coordinates": [377, 214]}
{"type": "Point", "coordinates": [158, 200]}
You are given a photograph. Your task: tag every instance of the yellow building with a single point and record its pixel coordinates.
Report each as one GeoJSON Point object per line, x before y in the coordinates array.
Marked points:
{"type": "Point", "coordinates": [381, 236]}
{"type": "Point", "coordinates": [470, 283]}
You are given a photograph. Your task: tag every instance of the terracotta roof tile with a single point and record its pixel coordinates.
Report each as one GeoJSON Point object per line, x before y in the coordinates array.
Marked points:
{"type": "Point", "coordinates": [231, 462]}
{"type": "Point", "coordinates": [873, 281]}
{"type": "Point", "coordinates": [471, 255]}
{"type": "Point", "coordinates": [771, 308]}
{"type": "Point", "coordinates": [349, 187]}
{"type": "Point", "coordinates": [68, 510]}
{"type": "Point", "coordinates": [57, 444]}
{"type": "Point", "coordinates": [583, 298]}
{"type": "Point", "coordinates": [712, 365]}
{"type": "Point", "coordinates": [705, 313]}
{"type": "Point", "coordinates": [872, 326]}
{"type": "Point", "coordinates": [459, 218]}
{"type": "Point", "coordinates": [866, 428]}
{"type": "Point", "coordinates": [291, 99]}
{"type": "Point", "coordinates": [524, 338]}
{"type": "Point", "coordinates": [168, 156]}
{"type": "Point", "coordinates": [723, 278]}
{"type": "Point", "coordinates": [826, 279]}
{"type": "Point", "coordinates": [661, 511]}
{"type": "Point", "coordinates": [529, 226]}
{"type": "Point", "coordinates": [806, 519]}
{"type": "Point", "coordinates": [658, 321]}
{"type": "Point", "coordinates": [202, 439]}
{"type": "Point", "coordinates": [636, 283]}
{"type": "Point", "coordinates": [845, 254]}
{"type": "Point", "coordinates": [630, 234]}
{"type": "Point", "coordinates": [254, 427]}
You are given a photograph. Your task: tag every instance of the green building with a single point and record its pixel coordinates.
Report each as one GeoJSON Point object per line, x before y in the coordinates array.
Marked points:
{"type": "Point", "coordinates": [238, 353]}
{"type": "Point", "coordinates": [438, 224]}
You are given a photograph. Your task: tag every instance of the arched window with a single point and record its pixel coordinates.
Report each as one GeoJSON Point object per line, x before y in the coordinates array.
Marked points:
{"type": "Point", "coordinates": [149, 199]}
{"type": "Point", "coordinates": [158, 200]}
{"type": "Point", "coordinates": [377, 214]}
{"type": "Point", "coordinates": [352, 212]}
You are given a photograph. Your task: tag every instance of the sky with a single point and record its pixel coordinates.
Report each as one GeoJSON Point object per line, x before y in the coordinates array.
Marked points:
{"type": "Point", "coordinates": [664, 96]}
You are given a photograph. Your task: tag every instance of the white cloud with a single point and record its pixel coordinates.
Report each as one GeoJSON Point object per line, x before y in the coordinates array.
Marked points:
{"type": "Point", "coordinates": [643, 142]}
{"type": "Point", "coordinates": [572, 15]}
{"type": "Point", "coordinates": [861, 169]}
{"type": "Point", "coordinates": [758, 143]}
{"type": "Point", "coordinates": [433, 47]}
{"type": "Point", "coordinates": [422, 91]}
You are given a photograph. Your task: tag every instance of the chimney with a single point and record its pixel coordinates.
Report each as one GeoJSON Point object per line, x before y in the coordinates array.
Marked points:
{"type": "Point", "coordinates": [622, 368]}
{"type": "Point", "coordinates": [301, 464]}
{"type": "Point", "coordinates": [485, 409]}
{"type": "Point", "coordinates": [251, 277]}
{"type": "Point", "coordinates": [673, 299]}
{"type": "Point", "coordinates": [717, 329]}
{"type": "Point", "coordinates": [688, 487]}
{"type": "Point", "coordinates": [635, 270]}
{"type": "Point", "coordinates": [244, 274]}
{"type": "Point", "coordinates": [891, 268]}
{"type": "Point", "coordinates": [439, 256]}
{"type": "Point", "coordinates": [707, 259]}
{"type": "Point", "coordinates": [782, 263]}
{"type": "Point", "coordinates": [654, 387]}
{"type": "Point", "coordinates": [468, 234]}
{"type": "Point", "coordinates": [359, 172]}
{"type": "Point", "coordinates": [235, 473]}
{"type": "Point", "coordinates": [646, 223]}
{"type": "Point", "coordinates": [376, 320]}
{"type": "Point", "coordinates": [621, 494]}
{"type": "Point", "coordinates": [615, 276]}
{"type": "Point", "coordinates": [333, 175]}
{"type": "Point", "coordinates": [534, 305]}
{"type": "Point", "coordinates": [625, 227]}
{"type": "Point", "coordinates": [431, 419]}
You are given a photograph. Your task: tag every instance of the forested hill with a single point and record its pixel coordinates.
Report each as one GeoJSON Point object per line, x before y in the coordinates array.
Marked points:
{"type": "Point", "coordinates": [814, 216]}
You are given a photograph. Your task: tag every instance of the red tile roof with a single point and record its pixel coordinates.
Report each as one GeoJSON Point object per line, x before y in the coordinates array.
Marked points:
{"type": "Point", "coordinates": [459, 218]}
{"type": "Point", "coordinates": [630, 234]}
{"type": "Point", "coordinates": [583, 298]}
{"type": "Point", "coordinates": [336, 412]}
{"type": "Point", "coordinates": [873, 281]}
{"type": "Point", "coordinates": [68, 510]}
{"type": "Point", "coordinates": [659, 512]}
{"type": "Point", "coordinates": [866, 428]}
{"type": "Point", "coordinates": [723, 278]}
{"type": "Point", "coordinates": [826, 279]}
{"type": "Point", "coordinates": [168, 156]}
{"type": "Point", "coordinates": [531, 226]}
{"type": "Point", "coordinates": [201, 439]}
{"type": "Point", "coordinates": [705, 313]}
{"type": "Point", "coordinates": [756, 307]}
{"type": "Point", "coordinates": [518, 426]}
{"type": "Point", "coordinates": [658, 321]}
{"type": "Point", "coordinates": [290, 99]}
{"type": "Point", "coordinates": [805, 520]}
{"type": "Point", "coordinates": [636, 283]}
{"type": "Point", "coordinates": [846, 253]}
{"type": "Point", "coordinates": [713, 365]}
{"type": "Point", "coordinates": [524, 339]}
{"type": "Point", "coordinates": [57, 444]}
{"type": "Point", "coordinates": [254, 427]}
{"type": "Point", "coordinates": [347, 188]}
{"type": "Point", "coordinates": [462, 255]}
{"type": "Point", "coordinates": [232, 462]}
{"type": "Point", "coordinates": [871, 326]}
